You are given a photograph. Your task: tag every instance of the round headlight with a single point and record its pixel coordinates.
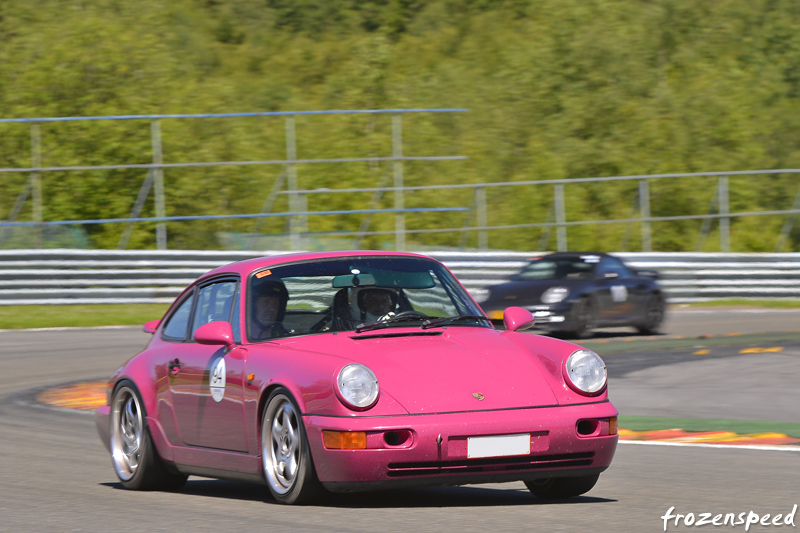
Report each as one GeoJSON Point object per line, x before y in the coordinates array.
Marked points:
{"type": "Point", "coordinates": [553, 295]}
{"type": "Point", "coordinates": [586, 371]}
{"type": "Point", "coordinates": [358, 386]}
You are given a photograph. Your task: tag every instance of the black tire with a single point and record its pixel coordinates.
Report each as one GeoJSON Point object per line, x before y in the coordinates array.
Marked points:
{"type": "Point", "coordinates": [133, 454]}
{"type": "Point", "coordinates": [654, 309]}
{"type": "Point", "coordinates": [561, 487]}
{"type": "Point", "coordinates": [583, 318]}
{"type": "Point", "coordinates": [285, 455]}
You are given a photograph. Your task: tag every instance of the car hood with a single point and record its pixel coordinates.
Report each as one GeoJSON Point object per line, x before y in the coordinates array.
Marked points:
{"type": "Point", "coordinates": [525, 293]}
{"type": "Point", "coordinates": [446, 370]}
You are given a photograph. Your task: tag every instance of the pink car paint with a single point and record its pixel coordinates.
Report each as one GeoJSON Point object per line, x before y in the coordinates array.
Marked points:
{"type": "Point", "coordinates": [439, 388]}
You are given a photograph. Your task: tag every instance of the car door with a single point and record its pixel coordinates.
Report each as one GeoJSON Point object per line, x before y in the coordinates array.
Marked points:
{"type": "Point", "coordinates": [207, 382]}
{"type": "Point", "coordinates": [616, 289]}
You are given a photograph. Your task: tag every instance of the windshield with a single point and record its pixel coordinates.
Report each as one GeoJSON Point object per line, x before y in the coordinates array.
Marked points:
{"type": "Point", "coordinates": [562, 268]}
{"type": "Point", "coordinates": [346, 294]}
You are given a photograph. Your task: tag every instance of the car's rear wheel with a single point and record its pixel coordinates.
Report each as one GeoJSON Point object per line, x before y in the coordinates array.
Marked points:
{"type": "Point", "coordinates": [133, 454]}
{"type": "Point", "coordinates": [653, 314]}
{"type": "Point", "coordinates": [584, 318]}
{"type": "Point", "coordinates": [561, 487]}
{"type": "Point", "coordinates": [286, 458]}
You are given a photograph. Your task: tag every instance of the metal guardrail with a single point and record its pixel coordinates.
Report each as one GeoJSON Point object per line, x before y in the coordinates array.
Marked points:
{"type": "Point", "coordinates": [647, 208]}
{"type": "Point", "coordinates": [66, 276]}
{"type": "Point", "coordinates": [297, 216]}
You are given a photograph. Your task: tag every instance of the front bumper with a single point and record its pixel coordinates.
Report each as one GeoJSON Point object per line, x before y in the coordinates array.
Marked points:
{"type": "Point", "coordinates": [433, 448]}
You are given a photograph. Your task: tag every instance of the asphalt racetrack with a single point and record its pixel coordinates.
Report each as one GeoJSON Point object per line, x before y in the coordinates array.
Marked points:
{"type": "Point", "coordinates": [55, 474]}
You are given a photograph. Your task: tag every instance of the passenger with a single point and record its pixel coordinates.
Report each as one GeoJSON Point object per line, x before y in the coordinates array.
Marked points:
{"type": "Point", "coordinates": [376, 304]}
{"type": "Point", "coordinates": [268, 307]}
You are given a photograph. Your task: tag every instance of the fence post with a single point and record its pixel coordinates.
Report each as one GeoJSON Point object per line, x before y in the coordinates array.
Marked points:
{"type": "Point", "coordinates": [144, 192]}
{"type": "Point", "coordinates": [399, 195]}
{"type": "Point", "coordinates": [482, 220]}
{"type": "Point", "coordinates": [36, 181]}
{"type": "Point", "coordinates": [787, 225]}
{"type": "Point", "coordinates": [561, 218]}
{"type": "Point", "coordinates": [296, 223]}
{"type": "Point", "coordinates": [644, 212]}
{"type": "Point", "coordinates": [724, 222]}
{"type": "Point", "coordinates": [158, 184]}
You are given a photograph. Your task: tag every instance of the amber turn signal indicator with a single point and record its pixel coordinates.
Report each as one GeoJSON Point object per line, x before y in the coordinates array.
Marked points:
{"type": "Point", "coordinates": [613, 426]}
{"type": "Point", "coordinates": [344, 440]}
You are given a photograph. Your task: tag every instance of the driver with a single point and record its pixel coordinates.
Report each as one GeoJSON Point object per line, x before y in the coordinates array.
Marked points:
{"type": "Point", "coordinates": [268, 307]}
{"type": "Point", "coordinates": [376, 304]}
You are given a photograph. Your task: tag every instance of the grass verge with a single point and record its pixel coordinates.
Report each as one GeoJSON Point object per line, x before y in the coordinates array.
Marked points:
{"type": "Point", "coordinates": [51, 316]}
{"type": "Point", "coordinates": [56, 316]}
{"type": "Point", "coordinates": [742, 427]}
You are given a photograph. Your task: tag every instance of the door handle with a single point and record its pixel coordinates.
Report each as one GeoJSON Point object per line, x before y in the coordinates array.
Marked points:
{"type": "Point", "coordinates": [174, 366]}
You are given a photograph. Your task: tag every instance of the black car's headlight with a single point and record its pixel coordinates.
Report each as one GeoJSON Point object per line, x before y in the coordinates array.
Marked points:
{"type": "Point", "coordinates": [480, 295]}
{"type": "Point", "coordinates": [585, 372]}
{"type": "Point", "coordinates": [553, 295]}
{"type": "Point", "coordinates": [357, 386]}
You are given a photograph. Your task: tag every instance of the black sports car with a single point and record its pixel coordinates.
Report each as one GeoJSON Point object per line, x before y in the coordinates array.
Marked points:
{"type": "Point", "coordinates": [575, 292]}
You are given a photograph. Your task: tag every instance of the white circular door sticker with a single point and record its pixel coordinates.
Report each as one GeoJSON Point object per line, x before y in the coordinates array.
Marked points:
{"type": "Point", "coordinates": [217, 381]}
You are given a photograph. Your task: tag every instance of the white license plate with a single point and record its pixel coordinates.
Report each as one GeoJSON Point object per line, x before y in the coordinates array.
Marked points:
{"type": "Point", "coordinates": [499, 446]}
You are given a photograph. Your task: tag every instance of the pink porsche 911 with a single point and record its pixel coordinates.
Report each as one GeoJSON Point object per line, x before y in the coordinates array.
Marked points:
{"type": "Point", "coordinates": [350, 371]}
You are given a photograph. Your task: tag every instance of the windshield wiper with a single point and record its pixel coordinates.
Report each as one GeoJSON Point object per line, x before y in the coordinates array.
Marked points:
{"type": "Point", "coordinates": [384, 323]}
{"type": "Point", "coordinates": [439, 322]}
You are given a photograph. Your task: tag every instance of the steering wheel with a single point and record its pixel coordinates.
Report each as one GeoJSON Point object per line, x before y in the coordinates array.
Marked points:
{"type": "Point", "coordinates": [323, 324]}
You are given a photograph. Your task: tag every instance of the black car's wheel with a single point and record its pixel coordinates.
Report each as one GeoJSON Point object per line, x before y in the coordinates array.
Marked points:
{"type": "Point", "coordinates": [653, 314]}
{"type": "Point", "coordinates": [584, 318]}
{"type": "Point", "coordinates": [133, 454]}
{"type": "Point", "coordinates": [561, 487]}
{"type": "Point", "coordinates": [286, 459]}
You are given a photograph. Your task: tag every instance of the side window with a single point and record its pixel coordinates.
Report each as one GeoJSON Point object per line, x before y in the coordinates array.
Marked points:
{"type": "Point", "coordinates": [612, 264]}
{"type": "Point", "coordinates": [178, 323]}
{"type": "Point", "coordinates": [214, 302]}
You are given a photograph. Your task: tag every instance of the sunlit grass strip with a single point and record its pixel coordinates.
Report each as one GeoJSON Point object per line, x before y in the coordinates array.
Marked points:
{"type": "Point", "coordinates": [56, 316]}
{"type": "Point", "coordinates": [742, 427]}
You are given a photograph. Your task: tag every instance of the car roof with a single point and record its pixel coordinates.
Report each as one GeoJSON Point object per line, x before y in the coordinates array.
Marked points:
{"type": "Point", "coordinates": [571, 255]}
{"type": "Point", "coordinates": [248, 265]}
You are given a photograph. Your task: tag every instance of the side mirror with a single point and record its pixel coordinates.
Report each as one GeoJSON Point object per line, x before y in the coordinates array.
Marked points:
{"type": "Point", "coordinates": [517, 319]}
{"type": "Point", "coordinates": [215, 333]}
{"type": "Point", "coordinates": [151, 327]}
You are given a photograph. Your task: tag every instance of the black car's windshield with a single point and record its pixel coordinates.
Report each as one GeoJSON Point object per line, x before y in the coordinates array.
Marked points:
{"type": "Point", "coordinates": [353, 294]}
{"type": "Point", "coordinates": [562, 268]}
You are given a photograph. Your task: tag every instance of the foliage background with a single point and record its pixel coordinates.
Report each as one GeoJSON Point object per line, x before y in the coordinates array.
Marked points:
{"type": "Point", "coordinates": [556, 89]}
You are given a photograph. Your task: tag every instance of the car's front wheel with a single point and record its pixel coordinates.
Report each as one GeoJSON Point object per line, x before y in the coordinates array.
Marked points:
{"type": "Point", "coordinates": [286, 458]}
{"type": "Point", "coordinates": [653, 314]}
{"type": "Point", "coordinates": [584, 318]}
{"type": "Point", "coordinates": [135, 458]}
{"type": "Point", "coordinates": [561, 487]}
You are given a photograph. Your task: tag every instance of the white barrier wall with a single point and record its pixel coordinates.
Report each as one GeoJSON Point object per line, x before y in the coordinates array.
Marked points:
{"type": "Point", "coordinates": [67, 276]}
